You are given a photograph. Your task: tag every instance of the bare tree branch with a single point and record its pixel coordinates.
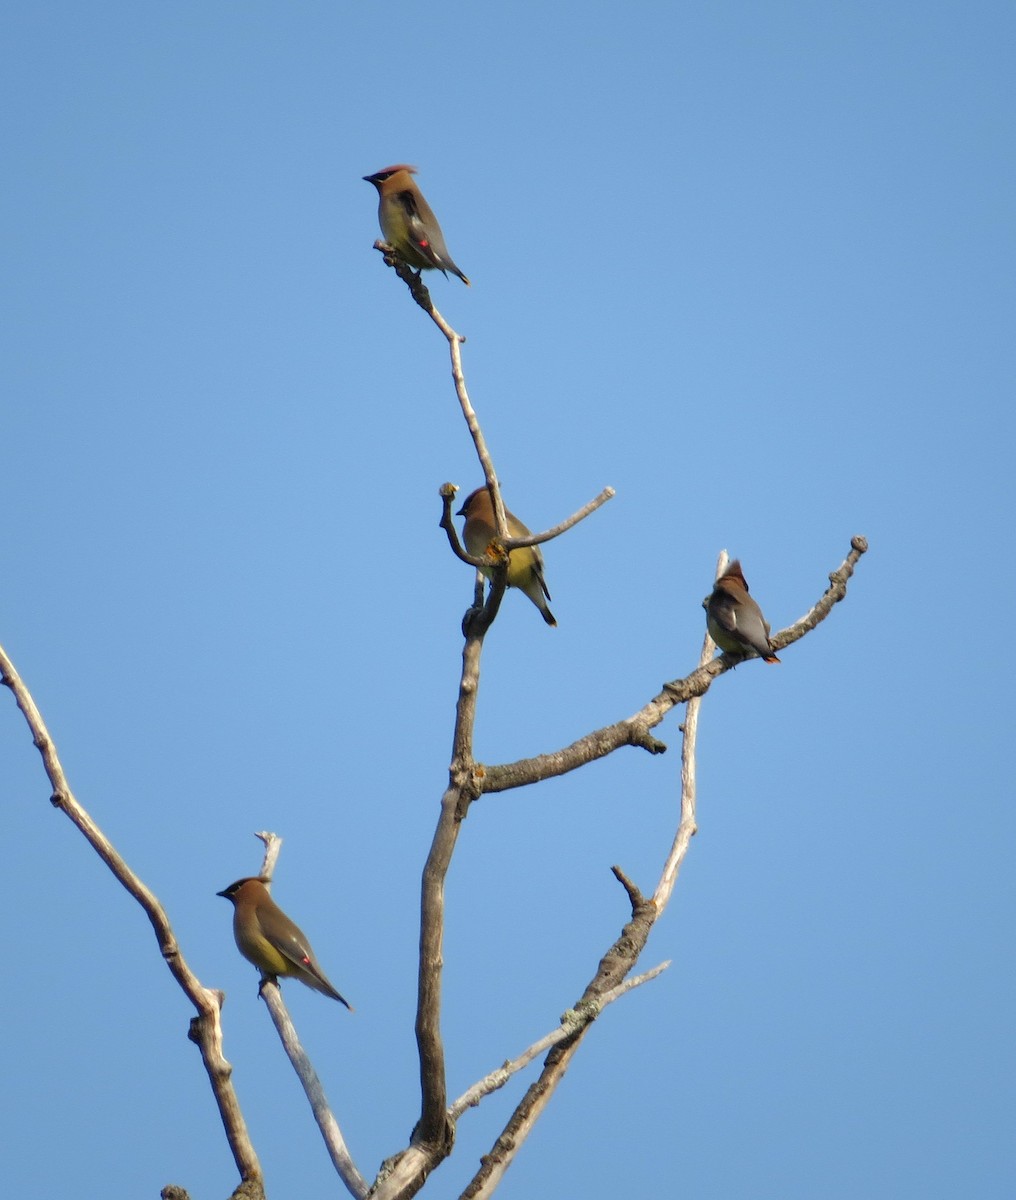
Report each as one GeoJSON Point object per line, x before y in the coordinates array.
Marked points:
{"type": "Point", "coordinates": [433, 1127]}
{"type": "Point", "coordinates": [833, 594]}
{"type": "Point", "coordinates": [271, 994]}
{"type": "Point", "coordinates": [273, 847]}
{"type": "Point", "coordinates": [206, 1028]}
{"type": "Point", "coordinates": [419, 290]}
{"type": "Point", "coordinates": [614, 966]}
{"type": "Point", "coordinates": [634, 730]}
{"type": "Point", "coordinates": [405, 1173]}
{"type": "Point", "coordinates": [572, 1021]}
{"type": "Point", "coordinates": [535, 539]}
{"type": "Point", "coordinates": [447, 492]}
{"type": "Point", "coordinates": [686, 826]}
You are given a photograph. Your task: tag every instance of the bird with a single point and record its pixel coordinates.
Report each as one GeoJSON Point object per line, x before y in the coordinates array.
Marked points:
{"type": "Point", "coordinates": [734, 619]}
{"type": "Point", "coordinates": [408, 223]}
{"type": "Point", "coordinates": [525, 564]}
{"type": "Point", "coordinates": [266, 937]}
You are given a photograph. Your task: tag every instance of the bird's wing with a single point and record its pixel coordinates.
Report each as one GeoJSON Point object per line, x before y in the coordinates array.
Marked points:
{"type": "Point", "coordinates": [417, 231]}
{"type": "Point", "coordinates": [753, 629]}
{"type": "Point", "coordinates": [288, 941]}
{"type": "Point", "coordinates": [295, 948]}
{"type": "Point", "coordinates": [723, 610]}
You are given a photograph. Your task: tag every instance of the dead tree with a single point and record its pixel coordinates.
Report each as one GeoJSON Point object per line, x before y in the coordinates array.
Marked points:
{"type": "Point", "coordinates": [405, 1172]}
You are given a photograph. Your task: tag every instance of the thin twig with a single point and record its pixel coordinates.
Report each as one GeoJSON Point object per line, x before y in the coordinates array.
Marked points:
{"type": "Point", "coordinates": [535, 539]}
{"type": "Point", "coordinates": [271, 993]}
{"type": "Point", "coordinates": [314, 1090]}
{"type": "Point", "coordinates": [573, 1020]}
{"type": "Point", "coordinates": [447, 492]}
{"type": "Point", "coordinates": [833, 594]}
{"type": "Point", "coordinates": [686, 826]}
{"type": "Point", "coordinates": [273, 846]}
{"type": "Point", "coordinates": [206, 1029]}
{"type": "Point", "coordinates": [610, 973]}
{"type": "Point", "coordinates": [454, 340]}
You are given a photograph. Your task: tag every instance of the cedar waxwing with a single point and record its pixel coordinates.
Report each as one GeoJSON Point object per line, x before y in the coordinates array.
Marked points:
{"type": "Point", "coordinates": [734, 620]}
{"type": "Point", "coordinates": [408, 223]}
{"type": "Point", "coordinates": [269, 939]}
{"type": "Point", "coordinates": [525, 564]}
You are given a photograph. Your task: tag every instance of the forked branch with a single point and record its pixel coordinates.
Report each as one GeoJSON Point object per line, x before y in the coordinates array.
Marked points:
{"type": "Point", "coordinates": [205, 1029]}
{"type": "Point", "coordinates": [404, 1174]}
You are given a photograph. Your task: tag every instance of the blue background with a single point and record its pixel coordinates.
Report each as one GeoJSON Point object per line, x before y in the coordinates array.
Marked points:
{"type": "Point", "coordinates": [753, 266]}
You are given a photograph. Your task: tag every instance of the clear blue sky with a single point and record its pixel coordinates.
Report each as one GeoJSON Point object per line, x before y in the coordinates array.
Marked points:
{"type": "Point", "coordinates": [752, 265]}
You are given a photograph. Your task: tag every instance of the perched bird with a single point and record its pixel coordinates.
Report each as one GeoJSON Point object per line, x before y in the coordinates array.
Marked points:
{"type": "Point", "coordinates": [734, 620]}
{"type": "Point", "coordinates": [525, 564]}
{"type": "Point", "coordinates": [269, 939]}
{"type": "Point", "coordinates": [408, 223]}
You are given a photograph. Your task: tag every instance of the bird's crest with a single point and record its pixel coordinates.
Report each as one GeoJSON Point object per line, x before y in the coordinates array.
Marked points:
{"type": "Point", "coordinates": [387, 172]}
{"type": "Point", "coordinates": [734, 572]}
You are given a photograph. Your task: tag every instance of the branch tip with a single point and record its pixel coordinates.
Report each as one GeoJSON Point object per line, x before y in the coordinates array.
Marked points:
{"type": "Point", "coordinates": [412, 279]}
{"type": "Point", "coordinates": [634, 895]}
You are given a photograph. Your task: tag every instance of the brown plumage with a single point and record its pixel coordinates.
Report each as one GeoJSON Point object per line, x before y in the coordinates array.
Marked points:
{"type": "Point", "coordinates": [734, 620]}
{"type": "Point", "coordinates": [266, 937]}
{"type": "Point", "coordinates": [525, 564]}
{"type": "Point", "coordinates": [408, 223]}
